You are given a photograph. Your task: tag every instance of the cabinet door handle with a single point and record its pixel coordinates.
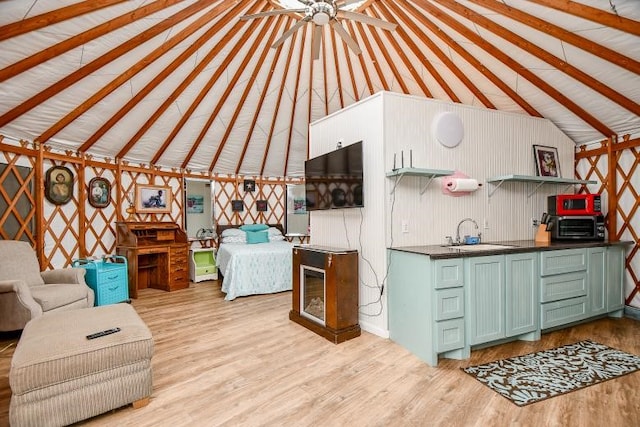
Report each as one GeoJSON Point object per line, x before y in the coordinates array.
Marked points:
{"type": "Point", "coordinates": [113, 277]}
{"type": "Point", "coordinates": [114, 288]}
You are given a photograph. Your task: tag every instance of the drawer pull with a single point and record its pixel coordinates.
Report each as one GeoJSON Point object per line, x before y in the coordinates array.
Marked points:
{"type": "Point", "coordinates": [114, 288]}
{"type": "Point", "coordinates": [113, 277]}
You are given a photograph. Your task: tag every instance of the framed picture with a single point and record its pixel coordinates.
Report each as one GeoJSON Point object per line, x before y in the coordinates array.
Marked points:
{"type": "Point", "coordinates": [249, 185]}
{"type": "Point", "coordinates": [547, 161]}
{"type": "Point", "coordinates": [99, 192]}
{"type": "Point", "coordinates": [237, 205]}
{"type": "Point", "coordinates": [153, 198]}
{"type": "Point", "coordinates": [195, 204]}
{"type": "Point", "coordinates": [261, 205]}
{"type": "Point", "coordinates": [58, 185]}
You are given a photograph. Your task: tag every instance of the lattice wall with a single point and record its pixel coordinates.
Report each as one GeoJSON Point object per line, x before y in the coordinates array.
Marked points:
{"type": "Point", "coordinates": [593, 163]}
{"type": "Point", "coordinates": [78, 230]}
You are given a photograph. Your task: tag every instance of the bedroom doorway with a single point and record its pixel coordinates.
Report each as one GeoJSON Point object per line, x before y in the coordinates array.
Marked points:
{"type": "Point", "coordinates": [199, 212]}
{"type": "Point", "coordinates": [297, 217]}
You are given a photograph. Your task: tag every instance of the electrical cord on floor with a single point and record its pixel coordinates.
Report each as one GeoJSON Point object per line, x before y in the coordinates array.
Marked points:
{"type": "Point", "coordinates": [6, 347]}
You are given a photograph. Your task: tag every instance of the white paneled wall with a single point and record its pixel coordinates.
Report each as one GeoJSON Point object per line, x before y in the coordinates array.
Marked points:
{"type": "Point", "coordinates": [495, 143]}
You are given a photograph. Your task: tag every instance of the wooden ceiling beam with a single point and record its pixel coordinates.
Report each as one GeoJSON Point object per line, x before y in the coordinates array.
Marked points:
{"type": "Point", "coordinates": [295, 101]}
{"type": "Point", "coordinates": [515, 66]}
{"type": "Point", "coordinates": [324, 72]}
{"type": "Point", "coordinates": [256, 114]}
{"type": "Point", "coordinates": [562, 34]}
{"type": "Point", "coordinates": [372, 56]}
{"type": "Point", "coordinates": [352, 77]}
{"type": "Point", "coordinates": [445, 58]}
{"type": "Point", "coordinates": [136, 68]}
{"type": "Point", "coordinates": [283, 82]}
{"type": "Point", "coordinates": [407, 62]}
{"type": "Point", "coordinates": [365, 71]}
{"type": "Point", "coordinates": [83, 38]}
{"type": "Point", "coordinates": [148, 88]}
{"type": "Point", "coordinates": [53, 17]}
{"type": "Point", "coordinates": [390, 62]}
{"type": "Point", "coordinates": [229, 85]}
{"type": "Point", "coordinates": [593, 14]}
{"type": "Point", "coordinates": [101, 61]}
{"type": "Point", "coordinates": [336, 65]}
{"type": "Point", "coordinates": [245, 94]}
{"type": "Point", "coordinates": [543, 55]}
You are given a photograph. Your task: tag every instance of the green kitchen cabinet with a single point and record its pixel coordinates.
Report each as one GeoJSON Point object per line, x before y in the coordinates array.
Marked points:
{"type": "Point", "coordinates": [614, 276]}
{"type": "Point", "coordinates": [597, 281]}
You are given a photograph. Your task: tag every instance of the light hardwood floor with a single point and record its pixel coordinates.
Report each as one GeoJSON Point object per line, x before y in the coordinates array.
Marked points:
{"type": "Point", "coordinates": [243, 363]}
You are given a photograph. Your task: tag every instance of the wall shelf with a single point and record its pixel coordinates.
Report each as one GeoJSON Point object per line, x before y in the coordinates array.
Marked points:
{"type": "Point", "coordinates": [540, 180]}
{"type": "Point", "coordinates": [423, 173]}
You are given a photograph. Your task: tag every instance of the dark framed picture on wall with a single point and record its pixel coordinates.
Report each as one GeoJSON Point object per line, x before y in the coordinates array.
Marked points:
{"type": "Point", "coordinates": [99, 192]}
{"type": "Point", "coordinates": [58, 185]}
{"type": "Point", "coordinates": [547, 161]}
{"type": "Point", "coordinates": [249, 185]}
{"type": "Point", "coordinates": [153, 198]}
{"type": "Point", "coordinates": [261, 205]}
{"type": "Point", "coordinates": [237, 205]}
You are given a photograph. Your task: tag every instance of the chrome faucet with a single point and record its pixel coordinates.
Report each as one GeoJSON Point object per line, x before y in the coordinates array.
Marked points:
{"type": "Point", "coordinates": [458, 228]}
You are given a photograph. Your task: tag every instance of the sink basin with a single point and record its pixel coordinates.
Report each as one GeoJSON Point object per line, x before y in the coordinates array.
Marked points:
{"type": "Point", "coordinates": [480, 247]}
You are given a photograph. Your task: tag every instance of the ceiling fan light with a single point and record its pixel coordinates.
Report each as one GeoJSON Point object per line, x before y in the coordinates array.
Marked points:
{"type": "Point", "coordinates": [321, 18]}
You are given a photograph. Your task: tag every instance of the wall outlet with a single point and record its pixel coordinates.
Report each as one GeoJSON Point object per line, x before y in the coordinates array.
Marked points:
{"type": "Point", "coordinates": [405, 227]}
{"type": "Point", "coordinates": [534, 222]}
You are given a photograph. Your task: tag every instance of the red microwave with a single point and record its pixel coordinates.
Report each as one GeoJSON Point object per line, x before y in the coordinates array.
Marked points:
{"type": "Point", "coordinates": [574, 204]}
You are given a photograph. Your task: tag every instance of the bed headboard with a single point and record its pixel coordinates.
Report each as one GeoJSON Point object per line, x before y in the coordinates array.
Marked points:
{"type": "Point", "coordinates": [221, 227]}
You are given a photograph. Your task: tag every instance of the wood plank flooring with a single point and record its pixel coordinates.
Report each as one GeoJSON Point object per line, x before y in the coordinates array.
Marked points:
{"type": "Point", "coordinates": [243, 363]}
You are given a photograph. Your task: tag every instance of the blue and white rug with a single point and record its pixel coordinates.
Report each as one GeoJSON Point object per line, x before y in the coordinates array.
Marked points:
{"type": "Point", "coordinates": [538, 376]}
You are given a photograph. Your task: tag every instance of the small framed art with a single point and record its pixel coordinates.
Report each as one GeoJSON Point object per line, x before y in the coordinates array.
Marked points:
{"type": "Point", "coordinates": [58, 186]}
{"type": "Point", "coordinates": [261, 205]}
{"type": "Point", "coordinates": [249, 185]}
{"type": "Point", "coordinates": [99, 192]}
{"type": "Point", "coordinates": [547, 161]}
{"type": "Point", "coordinates": [153, 198]}
{"type": "Point", "coordinates": [237, 205]}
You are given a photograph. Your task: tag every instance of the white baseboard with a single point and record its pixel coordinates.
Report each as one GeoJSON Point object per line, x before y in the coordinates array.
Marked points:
{"type": "Point", "coordinates": [632, 312]}
{"type": "Point", "coordinates": [373, 329]}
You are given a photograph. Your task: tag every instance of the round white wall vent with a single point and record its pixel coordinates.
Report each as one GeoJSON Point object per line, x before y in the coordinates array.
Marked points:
{"type": "Point", "coordinates": [447, 129]}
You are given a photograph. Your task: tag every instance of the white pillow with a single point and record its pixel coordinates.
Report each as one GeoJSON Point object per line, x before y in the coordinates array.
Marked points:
{"type": "Point", "coordinates": [274, 231]}
{"type": "Point", "coordinates": [229, 232]}
{"type": "Point", "coordinates": [276, 238]}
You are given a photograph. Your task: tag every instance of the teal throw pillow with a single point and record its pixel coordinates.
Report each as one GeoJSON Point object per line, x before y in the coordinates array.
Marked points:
{"type": "Point", "coordinates": [257, 237]}
{"type": "Point", "coordinates": [254, 227]}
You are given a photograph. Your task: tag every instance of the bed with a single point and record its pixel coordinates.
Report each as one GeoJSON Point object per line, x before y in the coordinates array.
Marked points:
{"type": "Point", "coordinates": [251, 269]}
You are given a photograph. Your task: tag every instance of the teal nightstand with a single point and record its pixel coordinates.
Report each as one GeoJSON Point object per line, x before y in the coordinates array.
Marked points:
{"type": "Point", "coordinates": [107, 277]}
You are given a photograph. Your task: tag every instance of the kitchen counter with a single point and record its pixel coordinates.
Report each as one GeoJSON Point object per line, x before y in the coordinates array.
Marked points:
{"type": "Point", "coordinates": [515, 246]}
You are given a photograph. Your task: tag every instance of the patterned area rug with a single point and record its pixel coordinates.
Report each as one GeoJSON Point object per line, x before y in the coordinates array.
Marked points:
{"type": "Point", "coordinates": [539, 376]}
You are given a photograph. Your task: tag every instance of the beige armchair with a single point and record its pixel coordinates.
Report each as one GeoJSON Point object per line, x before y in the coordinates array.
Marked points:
{"type": "Point", "coordinates": [26, 293]}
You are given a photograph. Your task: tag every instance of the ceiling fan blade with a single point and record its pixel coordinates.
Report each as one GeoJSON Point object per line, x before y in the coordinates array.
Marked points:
{"type": "Point", "coordinates": [271, 13]}
{"type": "Point", "coordinates": [288, 33]}
{"type": "Point", "coordinates": [341, 3]}
{"type": "Point", "coordinates": [346, 37]}
{"type": "Point", "coordinates": [315, 41]}
{"type": "Point", "coordinates": [366, 19]}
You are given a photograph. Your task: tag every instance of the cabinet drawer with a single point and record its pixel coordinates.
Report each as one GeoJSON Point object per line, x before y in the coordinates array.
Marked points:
{"type": "Point", "coordinates": [112, 292]}
{"type": "Point", "coordinates": [449, 304]}
{"type": "Point", "coordinates": [107, 277]}
{"type": "Point", "coordinates": [561, 312]}
{"type": "Point", "coordinates": [449, 335]}
{"type": "Point", "coordinates": [563, 261]}
{"type": "Point", "coordinates": [563, 286]}
{"type": "Point", "coordinates": [210, 269]}
{"type": "Point", "coordinates": [448, 273]}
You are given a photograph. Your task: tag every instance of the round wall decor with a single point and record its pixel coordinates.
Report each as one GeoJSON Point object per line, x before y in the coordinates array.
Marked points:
{"type": "Point", "coordinates": [447, 129]}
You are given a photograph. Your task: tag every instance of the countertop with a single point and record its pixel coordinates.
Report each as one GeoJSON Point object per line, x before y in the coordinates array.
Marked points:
{"type": "Point", "coordinates": [515, 246]}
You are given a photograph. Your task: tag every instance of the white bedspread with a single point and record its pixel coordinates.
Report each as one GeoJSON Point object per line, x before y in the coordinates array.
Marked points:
{"type": "Point", "coordinates": [261, 268]}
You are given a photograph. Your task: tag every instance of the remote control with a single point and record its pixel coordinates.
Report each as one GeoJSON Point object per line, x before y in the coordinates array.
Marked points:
{"type": "Point", "coordinates": [103, 333]}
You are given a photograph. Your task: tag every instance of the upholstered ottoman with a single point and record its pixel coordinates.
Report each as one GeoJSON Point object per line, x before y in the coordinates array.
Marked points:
{"type": "Point", "coordinates": [59, 377]}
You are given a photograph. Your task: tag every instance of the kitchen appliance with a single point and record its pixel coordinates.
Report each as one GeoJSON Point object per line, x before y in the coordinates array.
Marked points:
{"type": "Point", "coordinates": [576, 227]}
{"type": "Point", "coordinates": [574, 204]}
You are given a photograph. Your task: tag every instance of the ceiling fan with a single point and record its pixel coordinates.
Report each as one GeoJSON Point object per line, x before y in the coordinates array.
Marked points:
{"type": "Point", "coordinates": [321, 13]}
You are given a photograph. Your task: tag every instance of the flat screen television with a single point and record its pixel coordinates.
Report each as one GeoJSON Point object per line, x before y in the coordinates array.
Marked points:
{"type": "Point", "coordinates": [334, 180]}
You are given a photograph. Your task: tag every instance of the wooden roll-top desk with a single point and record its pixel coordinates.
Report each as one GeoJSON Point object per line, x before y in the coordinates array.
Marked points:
{"type": "Point", "coordinates": [156, 253]}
